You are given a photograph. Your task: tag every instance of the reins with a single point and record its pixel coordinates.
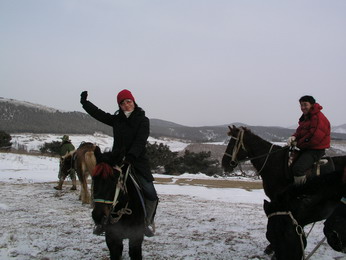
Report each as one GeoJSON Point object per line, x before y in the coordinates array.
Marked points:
{"type": "Point", "coordinates": [121, 186]}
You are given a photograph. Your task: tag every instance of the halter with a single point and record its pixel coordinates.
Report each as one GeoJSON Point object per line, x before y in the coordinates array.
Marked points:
{"type": "Point", "coordinates": [239, 143]}
{"type": "Point", "coordinates": [299, 229]}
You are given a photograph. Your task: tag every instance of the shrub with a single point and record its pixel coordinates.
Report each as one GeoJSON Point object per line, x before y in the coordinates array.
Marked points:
{"type": "Point", "coordinates": [193, 163]}
{"type": "Point", "coordinates": [159, 155]}
{"type": "Point", "coordinates": [51, 148]}
{"type": "Point", "coordinates": [5, 140]}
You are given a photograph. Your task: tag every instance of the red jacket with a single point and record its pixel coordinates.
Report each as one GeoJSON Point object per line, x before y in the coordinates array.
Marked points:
{"type": "Point", "coordinates": [313, 131]}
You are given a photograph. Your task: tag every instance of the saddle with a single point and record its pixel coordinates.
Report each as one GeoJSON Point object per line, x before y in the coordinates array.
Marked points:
{"type": "Point", "coordinates": [323, 166]}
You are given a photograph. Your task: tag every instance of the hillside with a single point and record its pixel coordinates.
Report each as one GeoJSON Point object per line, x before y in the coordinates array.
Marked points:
{"type": "Point", "coordinates": [25, 117]}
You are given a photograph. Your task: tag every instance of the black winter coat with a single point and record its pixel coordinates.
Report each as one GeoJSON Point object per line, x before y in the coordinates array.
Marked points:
{"type": "Point", "coordinates": [130, 135]}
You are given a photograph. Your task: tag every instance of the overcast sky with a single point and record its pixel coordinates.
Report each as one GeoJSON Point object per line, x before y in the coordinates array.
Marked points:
{"type": "Point", "coordinates": [192, 62]}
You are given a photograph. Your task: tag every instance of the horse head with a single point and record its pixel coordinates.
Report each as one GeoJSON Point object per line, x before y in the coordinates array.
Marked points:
{"type": "Point", "coordinates": [235, 150]}
{"type": "Point", "coordinates": [334, 228]}
{"type": "Point", "coordinates": [105, 180]}
{"type": "Point", "coordinates": [284, 233]}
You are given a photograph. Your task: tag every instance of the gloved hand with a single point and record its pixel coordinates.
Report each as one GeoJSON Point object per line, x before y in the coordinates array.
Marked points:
{"type": "Point", "coordinates": [291, 141]}
{"type": "Point", "coordinates": [83, 96]}
{"type": "Point", "coordinates": [129, 159]}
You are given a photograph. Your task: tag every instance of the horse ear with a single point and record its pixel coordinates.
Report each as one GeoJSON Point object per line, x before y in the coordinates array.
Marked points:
{"type": "Point", "coordinates": [266, 206]}
{"type": "Point", "coordinates": [230, 131]}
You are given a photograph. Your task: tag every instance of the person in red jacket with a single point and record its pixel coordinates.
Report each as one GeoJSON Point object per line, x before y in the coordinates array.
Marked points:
{"type": "Point", "coordinates": [312, 137]}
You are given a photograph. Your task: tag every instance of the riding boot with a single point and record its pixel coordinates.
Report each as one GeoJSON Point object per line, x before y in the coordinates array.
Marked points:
{"type": "Point", "coordinates": [150, 207]}
{"type": "Point", "coordinates": [74, 184]}
{"type": "Point", "coordinates": [59, 187]}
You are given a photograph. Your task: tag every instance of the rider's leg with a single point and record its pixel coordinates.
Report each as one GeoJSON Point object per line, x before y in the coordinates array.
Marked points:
{"type": "Point", "coordinates": [150, 201]}
{"type": "Point", "coordinates": [61, 179]}
{"type": "Point", "coordinates": [304, 162]}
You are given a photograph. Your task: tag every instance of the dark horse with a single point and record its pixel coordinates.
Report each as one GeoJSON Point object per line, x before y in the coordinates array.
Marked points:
{"type": "Point", "coordinates": [298, 206]}
{"type": "Point", "coordinates": [270, 161]}
{"type": "Point", "coordinates": [335, 227]}
{"type": "Point", "coordinates": [119, 209]}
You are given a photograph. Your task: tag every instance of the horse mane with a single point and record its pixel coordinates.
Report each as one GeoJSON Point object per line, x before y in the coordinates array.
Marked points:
{"type": "Point", "coordinates": [104, 170]}
{"type": "Point", "coordinates": [85, 144]}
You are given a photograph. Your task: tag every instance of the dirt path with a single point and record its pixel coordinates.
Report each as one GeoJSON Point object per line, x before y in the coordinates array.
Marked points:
{"type": "Point", "coordinates": [217, 183]}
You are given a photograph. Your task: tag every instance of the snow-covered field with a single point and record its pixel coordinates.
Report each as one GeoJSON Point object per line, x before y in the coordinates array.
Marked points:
{"type": "Point", "coordinates": [193, 222]}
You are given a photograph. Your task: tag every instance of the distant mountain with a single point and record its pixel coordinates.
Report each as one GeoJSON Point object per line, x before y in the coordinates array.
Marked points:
{"type": "Point", "coordinates": [341, 129]}
{"type": "Point", "coordinates": [25, 117]}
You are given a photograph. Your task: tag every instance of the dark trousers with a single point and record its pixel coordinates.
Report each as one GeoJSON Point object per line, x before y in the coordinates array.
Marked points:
{"type": "Point", "coordinates": [306, 160]}
{"type": "Point", "coordinates": [148, 188]}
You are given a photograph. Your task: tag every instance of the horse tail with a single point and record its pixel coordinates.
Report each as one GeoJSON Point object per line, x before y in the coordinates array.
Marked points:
{"type": "Point", "coordinates": [90, 161]}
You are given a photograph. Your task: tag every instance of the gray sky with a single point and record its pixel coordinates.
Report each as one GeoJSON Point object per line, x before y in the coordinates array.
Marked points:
{"type": "Point", "coordinates": [193, 62]}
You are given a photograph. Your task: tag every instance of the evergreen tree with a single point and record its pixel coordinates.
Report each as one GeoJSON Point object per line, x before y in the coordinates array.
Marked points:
{"type": "Point", "coordinates": [193, 163]}
{"type": "Point", "coordinates": [159, 155]}
{"type": "Point", "coordinates": [5, 140]}
{"type": "Point", "coordinates": [51, 148]}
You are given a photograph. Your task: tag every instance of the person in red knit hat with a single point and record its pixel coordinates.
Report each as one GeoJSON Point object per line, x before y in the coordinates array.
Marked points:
{"type": "Point", "coordinates": [312, 137]}
{"type": "Point", "coordinates": [130, 132]}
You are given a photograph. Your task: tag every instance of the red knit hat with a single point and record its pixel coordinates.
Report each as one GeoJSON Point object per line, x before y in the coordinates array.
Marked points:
{"type": "Point", "coordinates": [124, 94]}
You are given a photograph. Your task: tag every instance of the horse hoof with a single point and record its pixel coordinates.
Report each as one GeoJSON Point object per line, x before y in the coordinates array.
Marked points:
{"type": "Point", "coordinates": [148, 232]}
{"type": "Point", "coordinates": [57, 188]}
{"type": "Point", "coordinates": [98, 230]}
{"type": "Point", "coordinates": [73, 188]}
{"type": "Point", "coordinates": [268, 250]}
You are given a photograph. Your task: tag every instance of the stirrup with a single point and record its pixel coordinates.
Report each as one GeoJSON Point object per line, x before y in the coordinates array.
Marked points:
{"type": "Point", "coordinates": [148, 232]}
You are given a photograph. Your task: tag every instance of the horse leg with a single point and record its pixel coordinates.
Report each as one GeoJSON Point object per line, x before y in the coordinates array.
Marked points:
{"type": "Point", "coordinates": [135, 248]}
{"type": "Point", "coordinates": [85, 194]}
{"type": "Point", "coordinates": [115, 246]}
{"type": "Point", "coordinates": [92, 204]}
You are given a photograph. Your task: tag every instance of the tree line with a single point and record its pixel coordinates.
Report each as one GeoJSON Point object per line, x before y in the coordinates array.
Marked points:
{"type": "Point", "coordinates": [160, 156]}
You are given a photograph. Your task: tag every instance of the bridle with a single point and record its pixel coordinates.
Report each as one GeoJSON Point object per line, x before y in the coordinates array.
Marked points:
{"type": "Point", "coordinates": [239, 144]}
{"type": "Point", "coordinates": [298, 228]}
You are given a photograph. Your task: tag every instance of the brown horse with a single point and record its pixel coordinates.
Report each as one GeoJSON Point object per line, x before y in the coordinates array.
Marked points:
{"type": "Point", "coordinates": [83, 161]}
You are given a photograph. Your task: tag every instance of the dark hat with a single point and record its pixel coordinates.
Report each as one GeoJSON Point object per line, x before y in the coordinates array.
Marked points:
{"type": "Point", "coordinates": [125, 94]}
{"type": "Point", "coordinates": [65, 138]}
{"type": "Point", "coordinates": [309, 99]}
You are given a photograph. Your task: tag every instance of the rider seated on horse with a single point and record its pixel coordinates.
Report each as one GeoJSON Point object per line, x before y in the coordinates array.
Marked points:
{"type": "Point", "coordinates": [312, 137]}
{"type": "Point", "coordinates": [130, 132]}
{"type": "Point", "coordinates": [65, 148]}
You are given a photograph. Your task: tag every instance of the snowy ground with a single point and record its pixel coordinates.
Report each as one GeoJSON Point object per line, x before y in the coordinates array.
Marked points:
{"type": "Point", "coordinates": [193, 222]}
